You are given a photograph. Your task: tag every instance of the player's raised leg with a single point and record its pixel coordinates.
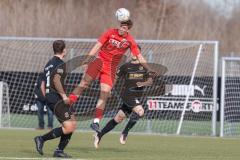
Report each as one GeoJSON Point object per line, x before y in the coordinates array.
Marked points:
{"type": "Point", "coordinates": [92, 72]}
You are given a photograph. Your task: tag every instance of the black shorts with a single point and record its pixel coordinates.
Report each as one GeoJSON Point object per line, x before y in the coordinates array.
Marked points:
{"type": "Point", "coordinates": [61, 110]}
{"type": "Point", "coordinates": [129, 104]}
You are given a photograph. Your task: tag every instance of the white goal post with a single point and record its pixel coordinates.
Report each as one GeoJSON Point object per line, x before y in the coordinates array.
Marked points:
{"type": "Point", "coordinates": [4, 105]}
{"type": "Point", "coordinates": [230, 97]}
{"type": "Point", "coordinates": [185, 101]}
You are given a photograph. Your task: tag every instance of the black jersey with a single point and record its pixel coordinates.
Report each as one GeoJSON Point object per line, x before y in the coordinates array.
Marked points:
{"type": "Point", "coordinates": [53, 67]}
{"type": "Point", "coordinates": [132, 73]}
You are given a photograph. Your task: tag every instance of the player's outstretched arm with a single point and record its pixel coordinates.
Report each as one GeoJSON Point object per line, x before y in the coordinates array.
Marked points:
{"type": "Point", "coordinates": [95, 49]}
{"type": "Point", "coordinates": [143, 61]}
{"type": "Point", "coordinates": [92, 53]}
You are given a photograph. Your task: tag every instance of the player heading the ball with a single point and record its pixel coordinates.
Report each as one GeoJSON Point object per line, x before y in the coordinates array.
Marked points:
{"type": "Point", "coordinates": [110, 48]}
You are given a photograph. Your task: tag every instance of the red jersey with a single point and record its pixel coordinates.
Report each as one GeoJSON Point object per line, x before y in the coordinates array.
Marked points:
{"type": "Point", "coordinates": [114, 46]}
{"type": "Point", "coordinates": [110, 54]}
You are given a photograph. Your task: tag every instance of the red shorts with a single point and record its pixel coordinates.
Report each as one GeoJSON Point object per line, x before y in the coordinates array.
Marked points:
{"type": "Point", "coordinates": [104, 71]}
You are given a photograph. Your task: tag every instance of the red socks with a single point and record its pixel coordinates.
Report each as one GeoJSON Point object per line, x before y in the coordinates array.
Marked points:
{"type": "Point", "coordinates": [98, 113]}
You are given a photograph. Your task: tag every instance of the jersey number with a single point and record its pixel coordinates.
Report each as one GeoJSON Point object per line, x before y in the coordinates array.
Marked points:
{"type": "Point", "coordinates": [48, 81]}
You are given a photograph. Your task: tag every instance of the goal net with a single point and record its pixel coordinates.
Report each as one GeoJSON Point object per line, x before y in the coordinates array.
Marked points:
{"type": "Point", "coordinates": [182, 101]}
{"type": "Point", "coordinates": [230, 92]}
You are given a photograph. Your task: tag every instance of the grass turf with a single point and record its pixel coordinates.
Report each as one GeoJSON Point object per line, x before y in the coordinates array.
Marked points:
{"type": "Point", "coordinates": [19, 144]}
{"type": "Point", "coordinates": [154, 125]}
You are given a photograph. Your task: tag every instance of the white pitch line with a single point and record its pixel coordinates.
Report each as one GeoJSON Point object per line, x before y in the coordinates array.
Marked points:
{"type": "Point", "coordinates": [26, 158]}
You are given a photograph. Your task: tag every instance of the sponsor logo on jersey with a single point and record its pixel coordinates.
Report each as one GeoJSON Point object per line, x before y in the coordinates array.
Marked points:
{"type": "Point", "coordinates": [135, 76]}
{"type": "Point", "coordinates": [123, 44]}
{"type": "Point", "coordinates": [137, 101]}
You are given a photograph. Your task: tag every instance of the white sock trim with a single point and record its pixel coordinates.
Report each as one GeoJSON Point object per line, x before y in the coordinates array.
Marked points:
{"type": "Point", "coordinates": [96, 120]}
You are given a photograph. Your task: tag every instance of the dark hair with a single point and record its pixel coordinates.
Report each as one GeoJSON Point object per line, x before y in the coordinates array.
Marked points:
{"type": "Point", "coordinates": [58, 46]}
{"type": "Point", "coordinates": [128, 23]}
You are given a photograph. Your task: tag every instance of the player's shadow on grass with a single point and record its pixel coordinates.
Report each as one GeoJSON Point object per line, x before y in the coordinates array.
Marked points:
{"type": "Point", "coordinates": [101, 149]}
{"type": "Point", "coordinates": [32, 153]}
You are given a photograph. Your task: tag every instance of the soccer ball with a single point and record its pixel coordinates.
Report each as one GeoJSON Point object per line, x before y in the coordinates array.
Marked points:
{"type": "Point", "coordinates": [122, 15]}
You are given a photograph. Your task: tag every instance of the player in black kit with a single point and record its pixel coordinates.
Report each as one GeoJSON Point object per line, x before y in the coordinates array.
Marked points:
{"type": "Point", "coordinates": [135, 78]}
{"type": "Point", "coordinates": [58, 102]}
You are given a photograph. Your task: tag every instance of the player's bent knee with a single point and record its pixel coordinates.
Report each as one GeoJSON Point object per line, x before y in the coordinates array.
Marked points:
{"type": "Point", "coordinates": [84, 84]}
{"type": "Point", "coordinates": [74, 125]}
{"type": "Point", "coordinates": [141, 113]}
{"type": "Point", "coordinates": [69, 127]}
{"type": "Point", "coordinates": [118, 119]}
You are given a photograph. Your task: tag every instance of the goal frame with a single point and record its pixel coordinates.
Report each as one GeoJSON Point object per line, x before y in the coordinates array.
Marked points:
{"type": "Point", "coordinates": [215, 65]}
{"type": "Point", "coordinates": [222, 115]}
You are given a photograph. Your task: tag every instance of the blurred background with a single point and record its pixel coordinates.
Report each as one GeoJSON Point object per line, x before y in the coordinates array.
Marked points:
{"type": "Point", "coordinates": [153, 19]}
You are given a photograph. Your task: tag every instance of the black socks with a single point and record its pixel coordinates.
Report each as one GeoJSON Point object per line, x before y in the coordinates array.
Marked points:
{"type": "Point", "coordinates": [55, 133]}
{"type": "Point", "coordinates": [109, 126]}
{"type": "Point", "coordinates": [65, 138]}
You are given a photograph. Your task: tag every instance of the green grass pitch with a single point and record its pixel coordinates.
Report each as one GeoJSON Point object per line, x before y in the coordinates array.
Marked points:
{"type": "Point", "coordinates": [19, 144]}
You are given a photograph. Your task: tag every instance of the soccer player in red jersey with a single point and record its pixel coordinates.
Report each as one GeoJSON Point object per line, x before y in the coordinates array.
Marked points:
{"type": "Point", "coordinates": [111, 46]}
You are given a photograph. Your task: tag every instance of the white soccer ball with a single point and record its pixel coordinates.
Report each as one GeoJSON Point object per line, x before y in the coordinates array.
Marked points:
{"type": "Point", "coordinates": [122, 15]}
